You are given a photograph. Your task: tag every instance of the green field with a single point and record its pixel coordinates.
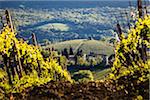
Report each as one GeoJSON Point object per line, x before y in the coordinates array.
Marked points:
{"type": "Point", "coordinates": [100, 74]}
{"type": "Point", "coordinates": [87, 46]}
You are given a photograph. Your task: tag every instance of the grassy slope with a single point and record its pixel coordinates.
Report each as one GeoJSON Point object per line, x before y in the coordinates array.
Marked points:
{"type": "Point", "coordinates": [100, 74]}
{"type": "Point", "coordinates": [87, 46]}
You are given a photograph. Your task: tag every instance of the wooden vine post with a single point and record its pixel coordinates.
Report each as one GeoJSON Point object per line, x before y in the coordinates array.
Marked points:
{"type": "Point", "coordinates": [18, 61]}
{"type": "Point", "coordinates": [143, 49]}
{"type": "Point", "coordinates": [119, 30]}
{"type": "Point", "coordinates": [36, 44]}
{"type": "Point", "coordinates": [34, 40]}
{"type": "Point", "coordinates": [8, 61]}
{"type": "Point", "coordinates": [139, 2]}
{"type": "Point", "coordinates": [5, 57]}
{"type": "Point", "coordinates": [9, 20]}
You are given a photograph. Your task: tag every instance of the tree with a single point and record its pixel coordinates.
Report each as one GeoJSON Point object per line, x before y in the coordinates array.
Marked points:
{"type": "Point", "coordinates": [80, 61]}
{"type": "Point", "coordinates": [79, 53]}
{"type": "Point", "coordinates": [65, 53]}
{"type": "Point", "coordinates": [93, 62]}
{"type": "Point", "coordinates": [71, 51]}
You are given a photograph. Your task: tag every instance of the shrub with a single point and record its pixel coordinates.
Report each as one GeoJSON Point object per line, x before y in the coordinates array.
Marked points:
{"type": "Point", "coordinates": [83, 76]}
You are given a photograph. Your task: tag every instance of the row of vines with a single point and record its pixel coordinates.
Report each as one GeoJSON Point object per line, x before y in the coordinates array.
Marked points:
{"type": "Point", "coordinates": [24, 65]}
{"type": "Point", "coordinates": [130, 70]}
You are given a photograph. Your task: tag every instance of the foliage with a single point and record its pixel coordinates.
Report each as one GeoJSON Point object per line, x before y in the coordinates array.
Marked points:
{"type": "Point", "coordinates": [83, 76]}
{"type": "Point", "coordinates": [31, 60]}
{"type": "Point", "coordinates": [93, 62]}
{"type": "Point", "coordinates": [45, 53]}
{"type": "Point", "coordinates": [63, 62]}
{"type": "Point", "coordinates": [131, 65]}
{"type": "Point", "coordinates": [112, 40]}
{"type": "Point", "coordinates": [81, 61]}
{"type": "Point", "coordinates": [89, 62]}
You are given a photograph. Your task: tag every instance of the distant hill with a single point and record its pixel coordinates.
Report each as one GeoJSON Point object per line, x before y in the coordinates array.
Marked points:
{"type": "Point", "coordinates": [87, 46]}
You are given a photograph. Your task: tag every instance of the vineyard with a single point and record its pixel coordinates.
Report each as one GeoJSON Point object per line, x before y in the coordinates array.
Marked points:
{"type": "Point", "coordinates": [24, 65]}
{"type": "Point", "coordinates": [27, 75]}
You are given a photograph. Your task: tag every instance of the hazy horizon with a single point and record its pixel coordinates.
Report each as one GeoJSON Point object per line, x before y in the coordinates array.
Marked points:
{"type": "Point", "coordinates": [67, 0]}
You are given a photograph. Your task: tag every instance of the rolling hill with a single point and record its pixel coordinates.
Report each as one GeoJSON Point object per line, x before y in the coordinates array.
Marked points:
{"type": "Point", "coordinates": [87, 46]}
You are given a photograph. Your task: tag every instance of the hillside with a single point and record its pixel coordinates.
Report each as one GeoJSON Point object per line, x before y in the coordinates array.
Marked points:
{"type": "Point", "coordinates": [64, 24]}
{"type": "Point", "coordinates": [87, 46]}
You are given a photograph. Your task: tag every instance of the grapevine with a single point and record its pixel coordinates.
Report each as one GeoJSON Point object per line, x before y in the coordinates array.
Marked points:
{"type": "Point", "coordinates": [30, 58]}
{"type": "Point", "coordinates": [131, 65]}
